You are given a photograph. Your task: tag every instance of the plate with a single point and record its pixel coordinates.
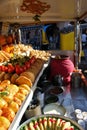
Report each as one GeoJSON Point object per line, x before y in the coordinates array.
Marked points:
{"type": "Point", "coordinates": [50, 121]}
{"type": "Point", "coordinates": [54, 108]}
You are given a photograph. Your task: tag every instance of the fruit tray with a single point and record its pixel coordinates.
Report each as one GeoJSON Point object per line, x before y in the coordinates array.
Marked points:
{"type": "Point", "coordinates": [48, 122]}
{"type": "Point", "coordinates": [15, 123]}
{"type": "Point", "coordinates": [17, 119]}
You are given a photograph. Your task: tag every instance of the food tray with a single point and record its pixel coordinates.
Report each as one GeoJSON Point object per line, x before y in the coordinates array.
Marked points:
{"type": "Point", "coordinates": [77, 126]}
{"type": "Point", "coordinates": [26, 102]}
{"type": "Point", "coordinates": [21, 111]}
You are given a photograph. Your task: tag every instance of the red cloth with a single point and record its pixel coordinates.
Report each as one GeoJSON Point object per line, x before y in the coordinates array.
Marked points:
{"type": "Point", "coordinates": [63, 67]}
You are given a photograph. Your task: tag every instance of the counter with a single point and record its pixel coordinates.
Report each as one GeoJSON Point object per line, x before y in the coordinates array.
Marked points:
{"type": "Point", "coordinates": [74, 98]}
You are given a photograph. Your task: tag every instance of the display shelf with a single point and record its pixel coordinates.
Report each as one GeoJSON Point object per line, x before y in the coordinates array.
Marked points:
{"type": "Point", "coordinates": [26, 102]}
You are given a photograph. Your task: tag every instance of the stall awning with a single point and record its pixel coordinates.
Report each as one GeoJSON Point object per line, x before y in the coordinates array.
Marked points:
{"type": "Point", "coordinates": [48, 10]}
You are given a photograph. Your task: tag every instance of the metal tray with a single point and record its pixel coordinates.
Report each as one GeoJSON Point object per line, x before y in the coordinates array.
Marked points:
{"type": "Point", "coordinates": [21, 111]}
{"type": "Point", "coordinates": [53, 116]}
{"type": "Point", "coordinates": [26, 102]}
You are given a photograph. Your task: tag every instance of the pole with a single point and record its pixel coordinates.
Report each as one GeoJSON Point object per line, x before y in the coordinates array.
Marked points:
{"type": "Point", "coordinates": [78, 45]}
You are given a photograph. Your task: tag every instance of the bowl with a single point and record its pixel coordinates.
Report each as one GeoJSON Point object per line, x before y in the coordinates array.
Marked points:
{"type": "Point", "coordinates": [49, 121]}
{"type": "Point", "coordinates": [50, 98]}
{"type": "Point", "coordinates": [44, 85]}
{"type": "Point", "coordinates": [56, 90]}
{"type": "Point", "coordinates": [54, 108]}
{"type": "Point", "coordinates": [33, 109]}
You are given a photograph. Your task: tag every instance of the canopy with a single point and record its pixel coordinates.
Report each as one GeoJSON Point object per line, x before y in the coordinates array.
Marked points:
{"type": "Point", "coordinates": [48, 10]}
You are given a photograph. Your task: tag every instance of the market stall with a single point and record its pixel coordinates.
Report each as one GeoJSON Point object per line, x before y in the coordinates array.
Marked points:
{"type": "Point", "coordinates": [21, 66]}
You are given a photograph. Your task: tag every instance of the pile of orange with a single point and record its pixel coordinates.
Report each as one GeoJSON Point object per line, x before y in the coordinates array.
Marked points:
{"type": "Point", "coordinates": [11, 98]}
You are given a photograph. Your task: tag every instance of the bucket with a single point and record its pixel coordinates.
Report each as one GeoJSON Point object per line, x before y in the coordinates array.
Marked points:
{"type": "Point", "coordinates": [76, 79]}
{"type": "Point", "coordinates": [34, 109]}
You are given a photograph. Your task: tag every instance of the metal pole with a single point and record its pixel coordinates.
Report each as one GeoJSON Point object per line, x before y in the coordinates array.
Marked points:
{"type": "Point", "coordinates": [78, 46]}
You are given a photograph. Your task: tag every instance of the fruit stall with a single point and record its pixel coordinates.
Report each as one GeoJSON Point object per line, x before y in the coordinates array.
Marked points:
{"type": "Point", "coordinates": [19, 75]}
{"type": "Point", "coordinates": [23, 69]}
